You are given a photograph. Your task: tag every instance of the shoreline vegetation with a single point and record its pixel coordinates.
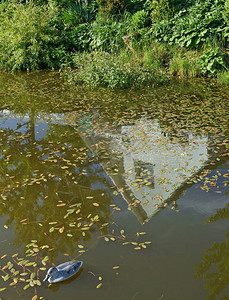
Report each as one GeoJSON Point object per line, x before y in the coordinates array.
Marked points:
{"type": "Point", "coordinates": [117, 43]}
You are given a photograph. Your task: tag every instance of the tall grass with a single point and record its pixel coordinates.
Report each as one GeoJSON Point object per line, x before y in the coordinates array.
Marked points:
{"type": "Point", "coordinates": [223, 77]}
{"type": "Point", "coordinates": [184, 64]}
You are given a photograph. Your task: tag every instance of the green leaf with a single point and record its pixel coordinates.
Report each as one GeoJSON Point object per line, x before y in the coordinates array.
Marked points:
{"type": "Point", "coordinates": [26, 286]}
{"type": "Point", "coordinates": [6, 277]}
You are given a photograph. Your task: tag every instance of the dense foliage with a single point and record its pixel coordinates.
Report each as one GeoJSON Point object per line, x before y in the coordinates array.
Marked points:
{"type": "Point", "coordinates": [103, 69]}
{"type": "Point", "coordinates": [192, 36]}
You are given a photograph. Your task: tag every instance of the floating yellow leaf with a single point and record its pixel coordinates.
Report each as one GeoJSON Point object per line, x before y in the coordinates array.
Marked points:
{"type": "Point", "coordinates": [61, 230]}
{"type": "Point", "coordinates": [116, 267]}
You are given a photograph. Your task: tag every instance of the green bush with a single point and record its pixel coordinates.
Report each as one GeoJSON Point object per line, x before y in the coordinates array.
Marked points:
{"type": "Point", "coordinates": [194, 26]}
{"type": "Point", "coordinates": [140, 20]}
{"type": "Point", "coordinates": [160, 10]}
{"type": "Point", "coordinates": [112, 7]}
{"type": "Point", "coordinates": [31, 37]}
{"type": "Point", "coordinates": [211, 62]}
{"type": "Point", "coordinates": [226, 11]}
{"type": "Point", "coordinates": [78, 13]}
{"type": "Point", "coordinates": [104, 69]}
{"type": "Point", "coordinates": [106, 34]}
{"type": "Point", "coordinates": [80, 37]}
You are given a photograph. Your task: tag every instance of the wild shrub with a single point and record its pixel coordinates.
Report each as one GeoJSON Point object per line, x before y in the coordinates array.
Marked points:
{"type": "Point", "coordinates": [211, 62]}
{"type": "Point", "coordinates": [103, 69]}
{"type": "Point", "coordinates": [160, 10]}
{"type": "Point", "coordinates": [31, 37]}
{"type": "Point", "coordinates": [155, 57]}
{"type": "Point", "coordinates": [226, 11]}
{"type": "Point", "coordinates": [140, 20]}
{"type": "Point", "coordinates": [80, 37]}
{"type": "Point", "coordinates": [106, 34]}
{"type": "Point", "coordinates": [78, 13]}
{"type": "Point", "coordinates": [112, 7]}
{"type": "Point", "coordinates": [194, 26]}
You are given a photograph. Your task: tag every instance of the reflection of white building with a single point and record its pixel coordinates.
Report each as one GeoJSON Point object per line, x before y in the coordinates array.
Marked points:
{"type": "Point", "coordinates": [154, 158]}
{"type": "Point", "coordinates": [151, 165]}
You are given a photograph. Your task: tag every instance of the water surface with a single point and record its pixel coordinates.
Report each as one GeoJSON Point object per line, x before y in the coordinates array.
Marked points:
{"type": "Point", "coordinates": [133, 183]}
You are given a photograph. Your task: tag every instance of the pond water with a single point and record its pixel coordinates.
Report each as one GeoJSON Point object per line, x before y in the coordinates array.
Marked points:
{"type": "Point", "coordinates": [133, 183]}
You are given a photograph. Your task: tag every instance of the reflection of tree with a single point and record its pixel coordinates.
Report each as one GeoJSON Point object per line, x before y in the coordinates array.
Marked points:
{"type": "Point", "coordinates": [214, 267]}
{"type": "Point", "coordinates": [38, 175]}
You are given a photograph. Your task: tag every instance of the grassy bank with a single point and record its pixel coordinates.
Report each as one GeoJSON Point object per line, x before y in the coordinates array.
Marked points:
{"type": "Point", "coordinates": [117, 43]}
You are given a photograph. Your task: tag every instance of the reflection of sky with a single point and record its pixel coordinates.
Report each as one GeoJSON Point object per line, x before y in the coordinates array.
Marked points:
{"type": "Point", "coordinates": [207, 203]}
{"type": "Point", "coordinates": [11, 120]}
{"type": "Point", "coordinates": [40, 128]}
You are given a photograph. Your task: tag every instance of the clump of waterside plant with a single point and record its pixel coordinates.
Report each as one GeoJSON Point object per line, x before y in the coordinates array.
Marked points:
{"type": "Point", "coordinates": [106, 70]}
{"type": "Point", "coordinates": [223, 77]}
{"type": "Point", "coordinates": [185, 64]}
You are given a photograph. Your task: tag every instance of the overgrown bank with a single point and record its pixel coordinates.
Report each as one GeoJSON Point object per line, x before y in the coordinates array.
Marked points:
{"type": "Point", "coordinates": [116, 43]}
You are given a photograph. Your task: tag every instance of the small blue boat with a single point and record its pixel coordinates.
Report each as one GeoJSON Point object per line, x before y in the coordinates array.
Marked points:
{"type": "Point", "coordinates": [63, 271]}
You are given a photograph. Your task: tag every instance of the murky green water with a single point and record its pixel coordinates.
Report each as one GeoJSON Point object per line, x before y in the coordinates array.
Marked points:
{"type": "Point", "coordinates": [134, 184]}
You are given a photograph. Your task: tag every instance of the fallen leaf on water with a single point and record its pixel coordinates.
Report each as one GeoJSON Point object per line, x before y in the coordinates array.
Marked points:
{"type": "Point", "coordinates": [12, 283]}
{"type": "Point", "coordinates": [61, 230]}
